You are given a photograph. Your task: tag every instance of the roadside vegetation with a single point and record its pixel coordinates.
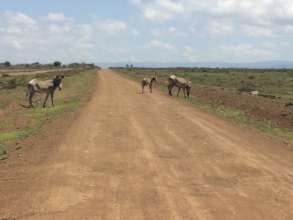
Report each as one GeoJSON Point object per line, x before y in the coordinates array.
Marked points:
{"type": "Point", "coordinates": [227, 92]}
{"type": "Point", "coordinates": [18, 122]}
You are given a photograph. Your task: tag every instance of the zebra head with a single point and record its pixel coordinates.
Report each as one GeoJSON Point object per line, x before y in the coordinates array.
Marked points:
{"type": "Point", "coordinates": [58, 82]}
{"type": "Point", "coordinates": [154, 79]}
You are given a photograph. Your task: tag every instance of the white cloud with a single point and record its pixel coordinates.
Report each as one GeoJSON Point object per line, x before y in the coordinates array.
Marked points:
{"type": "Point", "coordinates": [219, 28]}
{"type": "Point", "coordinates": [15, 44]}
{"type": "Point", "coordinates": [256, 31]}
{"type": "Point", "coordinates": [111, 26]}
{"type": "Point", "coordinates": [172, 30]}
{"type": "Point", "coordinates": [248, 52]}
{"type": "Point", "coordinates": [160, 45]}
{"type": "Point", "coordinates": [57, 17]}
{"type": "Point", "coordinates": [135, 32]}
{"type": "Point", "coordinates": [18, 18]}
{"type": "Point", "coordinates": [253, 18]}
{"type": "Point", "coordinates": [136, 2]}
{"type": "Point", "coordinates": [159, 9]}
{"type": "Point", "coordinates": [156, 32]}
{"type": "Point", "coordinates": [164, 32]}
{"type": "Point", "coordinates": [27, 39]}
{"type": "Point", "coordinates": [190, 54]}
{"type": "Point", "coordinates": [170, 9]}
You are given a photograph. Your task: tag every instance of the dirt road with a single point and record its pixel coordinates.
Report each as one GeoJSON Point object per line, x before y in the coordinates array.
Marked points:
{"type": "Point", "coordinates": [133, 156]}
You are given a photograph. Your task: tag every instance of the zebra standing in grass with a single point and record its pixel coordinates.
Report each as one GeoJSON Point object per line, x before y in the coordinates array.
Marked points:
{"type": "Point", "coordinates": [44, 86]}
{"type": "Point", "coordinates": [148, 82]}
{"type": "Point", "coordinates": [180, 83]}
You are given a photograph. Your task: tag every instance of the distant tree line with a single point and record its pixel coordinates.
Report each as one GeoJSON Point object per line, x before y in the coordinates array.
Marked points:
{"type": "Point", "coordinates": [5, 64]}
{"type": "Point", "coordinates": [55, 64]}
{"type": "Point", "coordinates": [129, 66]}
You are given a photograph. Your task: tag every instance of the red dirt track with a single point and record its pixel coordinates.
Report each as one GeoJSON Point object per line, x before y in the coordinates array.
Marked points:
{"type": "Point", "coordinates": [132, 156]}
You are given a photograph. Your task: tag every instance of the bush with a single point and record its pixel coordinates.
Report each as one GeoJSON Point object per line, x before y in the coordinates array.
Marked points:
{"type": "Point", "coordinates": [247, 88]}
{"type": "Point", "coordinates": [8, 84]}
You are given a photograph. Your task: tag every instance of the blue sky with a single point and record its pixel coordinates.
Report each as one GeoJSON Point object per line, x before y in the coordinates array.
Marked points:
{"type": "Point", "coordinates": [146, 30]}
{"type": "Point", "coordinates": [81, 10]}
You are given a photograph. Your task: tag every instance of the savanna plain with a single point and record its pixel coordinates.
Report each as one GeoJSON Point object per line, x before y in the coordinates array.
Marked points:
{"type": "Point", "coordinates": [106, 151]}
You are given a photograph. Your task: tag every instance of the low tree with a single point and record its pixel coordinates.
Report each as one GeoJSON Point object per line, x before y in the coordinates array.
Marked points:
{"type": "Point", "coordinates": [7, 64]}
{"type": "Point", "coordinates": [57, 63]}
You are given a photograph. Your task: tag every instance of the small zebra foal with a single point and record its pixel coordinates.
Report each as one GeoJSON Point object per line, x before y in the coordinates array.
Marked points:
{"type": "Point", "coordinates": [148, 82]}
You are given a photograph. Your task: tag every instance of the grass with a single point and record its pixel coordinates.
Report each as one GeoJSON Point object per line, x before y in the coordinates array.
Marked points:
{"type": "Point", "coordinates": [16, 134]}
{"type": "Point", "coordinates": [239, 116]}
{"type": "Point", "coordinates": [231, 80]}
{"type": "Point", "coordinates": [274, 82]}
{"type": "Point", "coordinates": [19, 123]}
{"type": "Point", "coordinates": [3, 152]}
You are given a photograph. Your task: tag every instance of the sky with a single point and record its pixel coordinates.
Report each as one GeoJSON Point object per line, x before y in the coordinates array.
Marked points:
{"type": "Point", "coordinates": [181, 31]}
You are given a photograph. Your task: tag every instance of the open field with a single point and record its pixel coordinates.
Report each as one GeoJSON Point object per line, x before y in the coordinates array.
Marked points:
{"type": "Point", "coordinates": [134, 156]}
{"type": "Point", "coordinates": [18, 122]}
{"type": "Point", "coordinates": [223, 91]}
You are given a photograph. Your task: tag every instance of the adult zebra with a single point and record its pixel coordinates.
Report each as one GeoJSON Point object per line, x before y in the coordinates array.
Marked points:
{"type": "Point", "coordinates": [44, 86]}
{"type": "Point", "coordinates": [180, 83]}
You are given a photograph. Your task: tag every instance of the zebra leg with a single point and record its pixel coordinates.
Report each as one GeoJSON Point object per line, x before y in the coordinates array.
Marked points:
{"type": "Point", "coordinates": [27, 91]}
{"type": "Point", "coordinates": [143, 85]}
{"type": "Point", "coordinates": [47, 95]}
{"type": "Point", "coordinates": [151, 88]}
{"type": "Point", "coordinates": [184, 92]}
{"type": "Point", "coordinates": [31, 94]}
{"type": "Point", "coordinates": [188, 92]}
{"type": "Point", "coordinates": [52, 98]}
{"type": "Point", "coordinates": [170, 87]}
{"type": "Point", "coordinates": [179, 89]}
